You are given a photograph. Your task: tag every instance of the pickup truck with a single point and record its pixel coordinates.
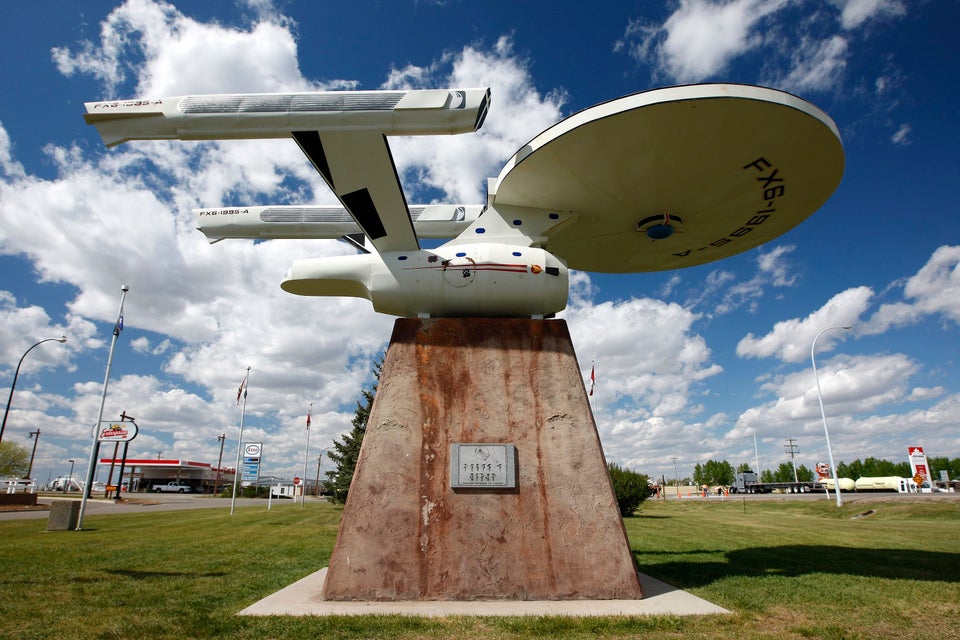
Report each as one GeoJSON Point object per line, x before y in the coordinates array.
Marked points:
{"type": "Point", "coordinates": [173, 487]}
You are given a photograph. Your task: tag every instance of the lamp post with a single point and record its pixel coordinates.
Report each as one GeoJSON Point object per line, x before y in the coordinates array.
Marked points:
{"type": "Point", "coordinates": [823, 415]}
{"type": "Point", "coordinates": [66, 487]}
{"type": "Point", "coordinates": [95, 445]}
{"type": "Point", "coordinates": [16, 373]}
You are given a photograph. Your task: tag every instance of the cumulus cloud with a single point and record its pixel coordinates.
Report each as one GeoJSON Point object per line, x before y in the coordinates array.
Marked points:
{"type": "Point", "coordinates": [646, 353]}
{"type": "Point", "coordinates": [803, 50]}
{"type": "Point", "coordinates": [123, 217]}
{"type": "Point", "coordinates": [700, 38]}
{"type": "Point", "coordinates": [790, 340]}
{"type": "Point", "coordinates": [933, 290]}
{"type": "Point", "coordinates": [850, 385]}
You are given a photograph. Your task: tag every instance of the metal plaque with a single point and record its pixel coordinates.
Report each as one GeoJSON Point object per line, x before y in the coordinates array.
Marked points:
{"type": "Point", "coordinates": [483, 466]}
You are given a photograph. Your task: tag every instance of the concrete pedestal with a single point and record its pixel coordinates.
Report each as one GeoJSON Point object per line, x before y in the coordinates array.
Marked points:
{"type": "Point", "coordinates": [64, 515]}
{"type": "Point", "coordinates": [407, 535]}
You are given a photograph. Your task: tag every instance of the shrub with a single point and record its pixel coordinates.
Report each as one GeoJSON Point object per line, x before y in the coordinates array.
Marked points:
{"type": "Point", "coordinates": [629, 487]}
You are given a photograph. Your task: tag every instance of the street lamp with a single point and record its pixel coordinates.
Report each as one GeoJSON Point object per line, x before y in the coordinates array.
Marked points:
{"type": "Point", "coordinates": [833, 467]}
{"type": "Point", "coordinates": [16, 373]}
{"type": "Point", "coordinates": [66, 486]}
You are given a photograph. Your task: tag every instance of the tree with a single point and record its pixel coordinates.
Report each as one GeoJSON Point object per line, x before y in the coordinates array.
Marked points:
{"type": "Point", "coordinates": [872, 468]}
{"type": "Point", "coordinates": [347, 450]}
{"type": "Point", "coordinates": [804, 474]}
{"type": "Point", "coordinates": [629, 487]}
{"type": "Point", "coordinates": [14, 460]}
{"type": "Point", "coordinates": [783, 473]}
{"type": "Point", "coordinates": [744, 467]}
{"type": "Point", "coordinates": [713, 472]}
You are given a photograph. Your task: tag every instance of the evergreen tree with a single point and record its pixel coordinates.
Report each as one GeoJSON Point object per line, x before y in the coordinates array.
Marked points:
{"type": "Point", "coordinates": [347, 450]}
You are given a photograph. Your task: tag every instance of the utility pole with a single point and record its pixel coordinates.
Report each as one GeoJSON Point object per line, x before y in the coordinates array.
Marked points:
{"type": "Point", "coordinates": [676, 475]}
{"type": "Point", "coordinates": [35, 436]}
{"type": "Point", "coordinates": [216, 483]}
{"type": "Point", "coordinates": [793, 449]}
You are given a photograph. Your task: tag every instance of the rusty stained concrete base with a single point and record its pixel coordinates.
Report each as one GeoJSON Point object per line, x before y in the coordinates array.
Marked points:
{"type": "Point", "coordinates": [407, 536]}
{"type": "Point", "coordinates": [304, 598]}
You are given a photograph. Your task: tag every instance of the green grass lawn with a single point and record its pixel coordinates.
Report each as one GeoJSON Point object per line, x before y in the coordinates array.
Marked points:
{"type": "Point", "coordinates": [787, 569]}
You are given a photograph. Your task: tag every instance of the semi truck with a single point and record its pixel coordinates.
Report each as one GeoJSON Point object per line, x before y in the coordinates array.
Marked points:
{"type": "Point", "coordinates": [749, 482]}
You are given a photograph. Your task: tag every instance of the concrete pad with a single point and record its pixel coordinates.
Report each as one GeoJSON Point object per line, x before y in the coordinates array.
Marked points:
{"type": "Point", "coordinates": [305, 598]}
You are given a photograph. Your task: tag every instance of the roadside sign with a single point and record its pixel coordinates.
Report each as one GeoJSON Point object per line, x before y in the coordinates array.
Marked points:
{"type": "Point", "coordinates": [250, 469]}
{"type": "Point", "coordinates": [117, 431]}
{"type": "Point", "coordinates": [919, 465]}
{"type": "Point", "coordinates": [296, 481]}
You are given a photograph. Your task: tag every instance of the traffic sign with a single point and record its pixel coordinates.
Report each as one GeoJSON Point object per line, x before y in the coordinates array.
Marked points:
{"type": "Point", "coordinates": [296, 481]}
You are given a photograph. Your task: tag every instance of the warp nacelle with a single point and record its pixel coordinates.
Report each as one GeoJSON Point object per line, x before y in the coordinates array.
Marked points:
{"type": "Point", "coordinates": [275, 115]}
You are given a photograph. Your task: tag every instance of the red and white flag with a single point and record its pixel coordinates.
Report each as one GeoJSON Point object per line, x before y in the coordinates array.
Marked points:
{"type": "Point", "coordinates": [243, 386]}
{"type": "Point", "coordinates": [593, 378]}
{"type": "Point", "coordinates": [308, 416]}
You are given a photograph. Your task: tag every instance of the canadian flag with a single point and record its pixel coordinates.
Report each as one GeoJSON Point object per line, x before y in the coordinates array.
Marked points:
{"type": "Point", "coordinates": [593, 378]}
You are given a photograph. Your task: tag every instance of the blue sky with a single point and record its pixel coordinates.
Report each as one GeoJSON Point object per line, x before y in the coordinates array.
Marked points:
{"type": "Point", "coordinates": [690, 363]}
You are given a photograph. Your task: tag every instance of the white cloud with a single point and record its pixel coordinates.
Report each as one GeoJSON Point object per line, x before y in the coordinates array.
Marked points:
{"type": "Point", "coordinates": [773, 270]}
{"type": "Point", "coordinates": [801, 47]}
{"type": "Point", "coordinates": [21, 327]}
{"type": "Point", "coordinates": [8, 166]}
{"type": "Point", "coordinates": [933, 290]}
{"type": "Point", "coordinates": [648, 360]}
{"type": "Point", "coordinates": [902, 135]}
{"type": "Point", "coordinates": [817, 65]}
{"type": "Point", "coordinates": [790, 340]}
{"type": "Point", "coordinates": [701, 38]}
{"type": "Point", "coordinates": [850, 385]}
{"type": "Point", "coordinates": [123, 217]}
{"type": "Point", "coordinates": [854, 13]}
{"type": "Point", "coordinates": [263, 58]}
{"type": "Point", "coordinates": [459, 165]}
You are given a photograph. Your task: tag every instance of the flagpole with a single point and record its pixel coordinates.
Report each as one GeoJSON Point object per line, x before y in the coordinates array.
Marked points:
{"type": "Point", "coordinates": [243, 410]}
{"type": "Point", "coordinates": [95, 447]}
{"type": "Point", "coordinates": [306, 452]}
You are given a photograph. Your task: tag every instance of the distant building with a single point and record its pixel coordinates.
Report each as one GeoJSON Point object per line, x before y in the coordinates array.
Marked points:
{"type": "Point", "coordinates": [143, 474]}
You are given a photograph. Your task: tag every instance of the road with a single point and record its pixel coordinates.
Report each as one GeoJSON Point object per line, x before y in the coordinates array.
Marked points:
{"type": "Point", "coordinates": [147, 502]}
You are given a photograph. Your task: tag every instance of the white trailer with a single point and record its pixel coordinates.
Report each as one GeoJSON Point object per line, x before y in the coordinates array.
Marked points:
{"type": "Point", "coordinates": [886, 483]}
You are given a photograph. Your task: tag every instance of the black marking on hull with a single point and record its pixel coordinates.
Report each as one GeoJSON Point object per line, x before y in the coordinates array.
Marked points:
{"type": "Point", "coordinates": [364, 212]}
{"type": "Point", "coordinates": [311, 145]}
